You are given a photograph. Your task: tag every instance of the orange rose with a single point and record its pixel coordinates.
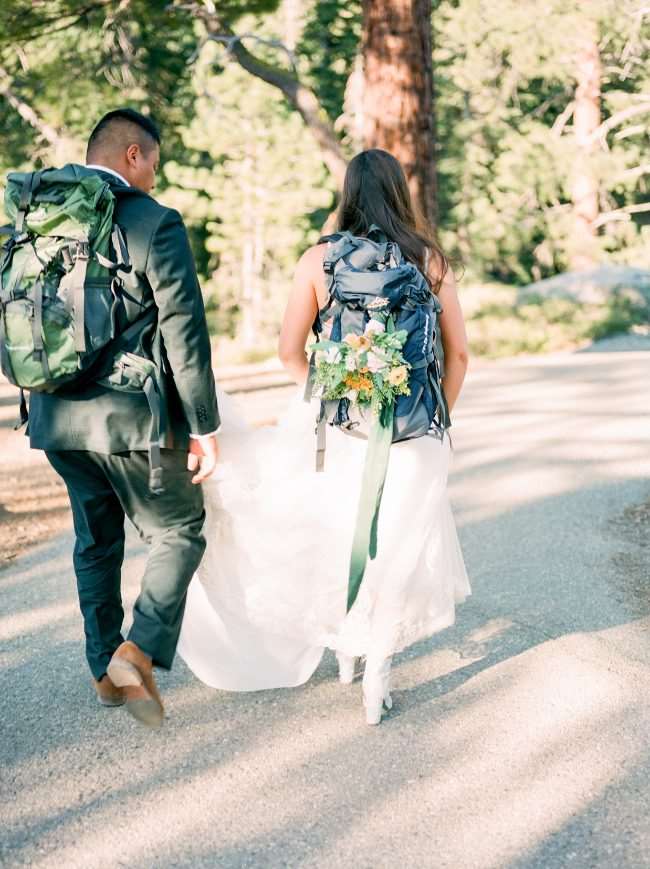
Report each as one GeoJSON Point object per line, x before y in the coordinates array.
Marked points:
{"type": "Point", "coordinates": [365, 383]}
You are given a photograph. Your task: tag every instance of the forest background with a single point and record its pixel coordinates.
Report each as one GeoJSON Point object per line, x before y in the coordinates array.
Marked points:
{"type": "Point", "coordinates": [522, 123]}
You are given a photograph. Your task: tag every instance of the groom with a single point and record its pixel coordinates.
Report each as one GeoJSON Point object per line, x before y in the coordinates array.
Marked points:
{"type": "Point", "coordinates": [97, 438]}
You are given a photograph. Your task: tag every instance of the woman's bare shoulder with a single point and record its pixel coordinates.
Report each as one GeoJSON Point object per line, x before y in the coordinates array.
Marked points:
{"type": "Point", "coordinates": [309, 271]}
{"type": "Point", "coordinates": [313, 256]}
{"type": "Point", "coordinates": [442, 278]}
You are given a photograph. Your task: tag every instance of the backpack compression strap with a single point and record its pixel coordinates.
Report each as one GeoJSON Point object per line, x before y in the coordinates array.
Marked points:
{"type": "Point", "coordinates": [123, 368]}
{"type": "Point", "coordinates": [74, 281]}
{"type": "Point", "coordinates": [338, 246]}
{"type": "Point", "coordinates": [152, 395]}
{"type": "Point", "coordinates": [30, 186]}
{"type": "Point", "coordinates": [122, 259]}
{"type": "Point", "coordinates": [332, 255]}
{"type": "Point", "coordinates": [37, 327]}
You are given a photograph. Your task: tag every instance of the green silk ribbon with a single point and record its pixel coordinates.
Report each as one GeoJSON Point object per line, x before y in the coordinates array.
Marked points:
{"type": "Point", "coordinates": [364, 544]}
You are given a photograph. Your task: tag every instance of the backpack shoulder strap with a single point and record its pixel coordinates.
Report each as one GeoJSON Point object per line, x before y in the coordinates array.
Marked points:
{"type": "Point", "coordinates": [31, 183]}
{"type": "Point", "coordinates": [338, 245]}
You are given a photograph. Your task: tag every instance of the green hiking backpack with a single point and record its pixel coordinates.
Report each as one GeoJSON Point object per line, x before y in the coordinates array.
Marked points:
{"type": "Point", "coordinates": [59, 289]}
{"type": "Point", "coordinates": [60, 292]}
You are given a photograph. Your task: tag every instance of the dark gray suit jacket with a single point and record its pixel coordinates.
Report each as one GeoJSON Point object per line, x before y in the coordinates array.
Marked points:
{"type": "Point", "coordinates": [103, 420]}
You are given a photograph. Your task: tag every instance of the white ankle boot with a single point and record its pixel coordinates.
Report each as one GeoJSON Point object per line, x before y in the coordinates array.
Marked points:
{"type": "Point", "coordinates": [346, 668]}
{"type": "Point", "coordinates": [376, 689]}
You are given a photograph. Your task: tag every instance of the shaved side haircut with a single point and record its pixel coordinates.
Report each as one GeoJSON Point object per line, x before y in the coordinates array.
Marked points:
{"type": "Point", "coordinates": [119, 129]}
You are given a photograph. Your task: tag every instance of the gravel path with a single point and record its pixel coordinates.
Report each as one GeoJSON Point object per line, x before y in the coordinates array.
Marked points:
{"type": "Point", "coordinates": [519, 736]}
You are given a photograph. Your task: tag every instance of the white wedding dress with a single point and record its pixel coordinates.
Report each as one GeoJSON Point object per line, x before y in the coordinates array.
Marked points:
{"type": "Point", "coordinates": [270, 594]}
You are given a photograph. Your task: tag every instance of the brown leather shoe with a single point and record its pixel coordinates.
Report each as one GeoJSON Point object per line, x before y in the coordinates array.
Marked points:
{"type": "Point", "coordinates": [107, 693]}
{"type": "Point", "coordinates": [132, 671]}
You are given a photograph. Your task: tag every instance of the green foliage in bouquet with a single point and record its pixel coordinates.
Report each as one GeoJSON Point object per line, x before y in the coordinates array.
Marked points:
{"type": "Point", "coordinates": [369, 370]}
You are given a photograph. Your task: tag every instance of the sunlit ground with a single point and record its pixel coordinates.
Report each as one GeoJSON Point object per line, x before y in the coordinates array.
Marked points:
{"type": "Point", "coordinates": [519, 736]}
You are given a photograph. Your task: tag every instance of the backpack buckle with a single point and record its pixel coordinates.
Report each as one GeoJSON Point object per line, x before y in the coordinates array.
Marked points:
{"type": "Point", "coordinates": [66, 256]}
{"type": "Point", "coordinates": [16, 293]}
{"type": "Point", "coordinates": [78, 250]}
{"type": "Point", "coordinates": [13, 240]}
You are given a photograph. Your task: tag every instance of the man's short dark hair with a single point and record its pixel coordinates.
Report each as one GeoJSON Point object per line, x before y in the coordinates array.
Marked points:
{"type": "Point", "coordinates": [120, 125]}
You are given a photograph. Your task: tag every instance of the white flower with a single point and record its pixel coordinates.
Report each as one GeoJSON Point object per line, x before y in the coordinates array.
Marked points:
{"type": "Point", "coordinates": [375, 363]}
{"type": "Point", "coordinates": [350, 362]}
{"type": "Point", "coordinates": [374, 327]}
{"type": "Point", "coordinates": [398, 375]}
{"type": "Point", "coordinates": [333, 355]}
{"type": "Point", "coordinates": [352, 394]}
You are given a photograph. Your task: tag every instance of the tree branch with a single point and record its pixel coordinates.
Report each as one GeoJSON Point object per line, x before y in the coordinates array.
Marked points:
{"type": "Point", "coordinates": [69, 20]}
{"type": "Point", "coordinates": [58, 140]}
{"type": "Point", "coordinates": [563, 119]}
{"type": "Point", "coordinates": [302, 98]}
{"type": "Point", "coordinates": [618, 118]}
{"type": "Point", "coordinates": [624, 213]}
{"type": "Point", "coordinates": [636, 171]}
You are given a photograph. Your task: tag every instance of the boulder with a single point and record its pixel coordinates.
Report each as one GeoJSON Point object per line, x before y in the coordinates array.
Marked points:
{"type": "Point", "coordinates": [594, 286]}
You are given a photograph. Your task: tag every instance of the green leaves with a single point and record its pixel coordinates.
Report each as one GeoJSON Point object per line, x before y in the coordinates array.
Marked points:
{"type": "Point", "coordinates": [506, 82]}
{"type": "Point", "coordinates": [367, 369]}
{"type": "Point", "coordinates": [246, 174]}
{"type": "Point", "coordinates": [329, 46]}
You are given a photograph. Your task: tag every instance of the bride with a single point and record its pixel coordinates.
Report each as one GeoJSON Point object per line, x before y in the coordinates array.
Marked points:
{"type": "Point", "coordinates": [270, 594]}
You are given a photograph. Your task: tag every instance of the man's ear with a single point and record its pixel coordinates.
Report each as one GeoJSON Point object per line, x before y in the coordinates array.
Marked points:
{"type": "Point", "coordinates": [132, 153]}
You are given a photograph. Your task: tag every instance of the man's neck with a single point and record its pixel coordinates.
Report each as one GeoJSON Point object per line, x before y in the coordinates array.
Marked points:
{"type": "Point", "coordinates": [109, 170]}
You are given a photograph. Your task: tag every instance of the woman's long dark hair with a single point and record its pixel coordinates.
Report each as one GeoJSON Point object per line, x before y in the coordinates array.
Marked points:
{"type": "Point", "coordinates": [375, 191]}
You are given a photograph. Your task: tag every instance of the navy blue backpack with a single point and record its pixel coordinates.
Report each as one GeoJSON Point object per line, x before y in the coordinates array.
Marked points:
{"type": "Point", "coordinates": [358, 271]}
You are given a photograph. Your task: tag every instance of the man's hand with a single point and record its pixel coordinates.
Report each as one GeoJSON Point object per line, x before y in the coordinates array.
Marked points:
{"type": "Point", "coordinates": [203, 456]}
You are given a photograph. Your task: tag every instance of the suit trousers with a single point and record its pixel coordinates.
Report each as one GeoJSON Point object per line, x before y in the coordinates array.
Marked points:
{"type": "Point", "coordinates": [103, 489]}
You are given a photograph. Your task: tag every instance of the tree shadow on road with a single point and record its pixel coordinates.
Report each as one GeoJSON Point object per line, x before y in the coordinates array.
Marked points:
{"type": "Point", "coordinates": [504, 731]}
{"type": "Point", "coordinates": [49, 749]}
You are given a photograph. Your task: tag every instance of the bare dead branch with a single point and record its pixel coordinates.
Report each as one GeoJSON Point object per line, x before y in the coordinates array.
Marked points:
{"type": "Point", "coordinates": [55, 138]}
{"type": "Point", "coordinates": [563, 119]}
{"type": "Point", "coordinates": [68, 21]}
{"type": "Point", "coordinates": [229, 42]}
{"type": "Point", "coordinates": [299, 96]}
{"type": "Point", "coordinates": [636, 171]}
{"type": "Point", "coordinates": [623, 214]}
{"type": "Point", "coordinates": [618, 118]}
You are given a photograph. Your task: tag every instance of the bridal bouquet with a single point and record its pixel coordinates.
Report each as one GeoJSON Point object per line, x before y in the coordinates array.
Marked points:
{"type": "Point", "coordinates": [369, 370]}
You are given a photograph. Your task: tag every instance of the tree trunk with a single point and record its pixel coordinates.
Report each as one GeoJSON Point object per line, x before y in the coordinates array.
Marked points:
{"type": "Point", "coordinates": [584, 181]}
{"type": "Point", "coordinates": [397, 52]}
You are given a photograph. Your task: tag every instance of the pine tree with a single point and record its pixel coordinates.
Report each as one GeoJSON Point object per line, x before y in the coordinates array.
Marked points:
{"type": "Point", "coordinates": [254, 180]}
